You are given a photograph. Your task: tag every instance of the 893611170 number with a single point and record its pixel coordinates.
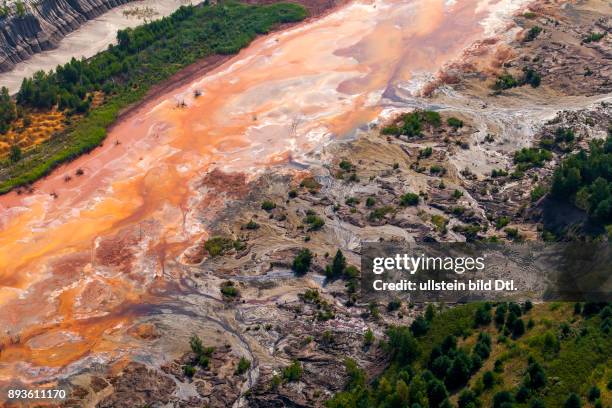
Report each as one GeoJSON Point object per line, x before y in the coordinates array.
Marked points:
{"type": "Point", "coordinates": [42, 393]}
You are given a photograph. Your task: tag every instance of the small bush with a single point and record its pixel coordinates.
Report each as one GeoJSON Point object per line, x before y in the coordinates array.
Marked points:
{"type": "Point", "coordinates": [189, 370]}
{"type": "Point", "coordinates": [538, 192]}
{"type": "Point", "coordinates": [594, 37]}
{"type": "Point", "coordinates": [243, 366]}
{"type": "Point", "coordinates": [310, 183]}
{"type": "Point", "coordinates": [437, 169]}
{"type": "Point", "coordinates": [512, 233]}
{"type": "Point", "coordinates": [533, 33]}
{"type": "Point", "coordinates": [409, 199]}
{"type": "Point", "coordinates": [368, 338]}
{"type": "Point", "coordinates": [229, 290]}
{"type": "Point", "coordinates": [440, 222]}
{"type": "Point", "coordinates": [268, 205]}
{"type": "Point", "coordinates": [394, 305]}
{"type": "Point", "coordinates": [454, 122]}
{"type": "Point", "coordinates": [380, 213]}
{"type": "Point", "coordinates": [346, 165]}
{"type": "Point", "coordinates": [594, 393]}
{"type": "Point", "coordinates": [217, 246]}
{"type": "Point", "coordinates": [314, 222]}
{"type": "Point", "coordinates": [426, 152]}
{"type": "Point", "coordinates": [293, 372]}
{"type": "Point", "coordinates": [498, 173]}
{"type": "Point", "coordinates": [505, 81]}
{"type": "Point", "coordinates": [251, 225]}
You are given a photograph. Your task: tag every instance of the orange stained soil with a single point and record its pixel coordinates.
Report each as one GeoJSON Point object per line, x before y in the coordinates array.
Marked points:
{"type": "Point", "coordinates": [79, 254]}
{"type": "Point", "coordinates": [42, 126]}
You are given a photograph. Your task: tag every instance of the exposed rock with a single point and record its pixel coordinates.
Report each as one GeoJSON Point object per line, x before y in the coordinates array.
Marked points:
{"type": "Point", "coordinates": [43, 25]}
{"type": "Point", "coordinates": [138, 386]}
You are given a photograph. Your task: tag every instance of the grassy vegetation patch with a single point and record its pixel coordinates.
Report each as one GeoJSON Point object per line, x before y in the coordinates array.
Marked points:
{"type": "Point", "coordinates": [464, 357]}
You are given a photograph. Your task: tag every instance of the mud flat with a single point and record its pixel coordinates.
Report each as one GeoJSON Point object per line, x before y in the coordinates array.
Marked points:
{"type": "Point", "coordinates": [122, 244]}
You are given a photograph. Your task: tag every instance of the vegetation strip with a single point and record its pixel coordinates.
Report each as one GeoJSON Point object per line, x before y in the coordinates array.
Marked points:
{"type": "Point", "coordinates": [144, 56]}
{"type": "Point", "coordinates": [494, 355]}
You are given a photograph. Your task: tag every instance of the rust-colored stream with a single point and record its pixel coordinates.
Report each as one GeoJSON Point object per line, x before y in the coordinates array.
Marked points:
{"type": "Point", "coordinates": [72, 268]}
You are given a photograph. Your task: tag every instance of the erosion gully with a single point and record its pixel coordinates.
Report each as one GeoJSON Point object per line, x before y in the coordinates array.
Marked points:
{"type": "Point", "coordinates": [81, 261]}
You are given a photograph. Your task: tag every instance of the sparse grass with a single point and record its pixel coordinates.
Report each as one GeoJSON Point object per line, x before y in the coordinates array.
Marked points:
{"type": "Point", "coordinates": [310, 183]}
{"type": "Point", "coordinates": [380, 212]}
{"type": "Point", "coordinates": [439, 222]}
{"type": "Point", "coordinates": [594, 37]}
{"type": "Point", "coordinates": [217, 246]}
{"type": "Point", "coordinates": [454, 122]}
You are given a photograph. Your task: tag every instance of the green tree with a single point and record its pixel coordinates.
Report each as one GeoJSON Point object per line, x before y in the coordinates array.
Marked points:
{"type": "Point", "coordinates": [440, 366]}
{"type": "Point", "coordinates": [502, 399]}
{"type": "Point", "coordinates": [594, 393]}
{"type": "Point", "coordinates": [572, 401]}
{"type": "Point", "coordinates": [301, 263]}
{"type": "Point", "coordinates": [419, 326]}
{"type": "Point", "coordinates": [368, 338]}
{"type": "Point", "coordinates": [15, 153]}
{"type": "Point", "coordinates": [522, 394]}
{"type": "Point", "coordinates": [356, 376]}
{"type": "Point", "coordinates": [482, 316]}
{"type": "Point", "coordinates": [468, 399]}
{"type": "Point", "coordinates": [436, 393]}
{"type": "Point", "coordinates": [488, 379]}
{"type": "Point", "coordinates": [8, 112]}
{"type": "Point", "coordinates": [417, 392]}
{"type": "Point", "coordinates": [430, 312]}
{"type": "Point", "coordinates": [536, 378]}
{"type": "Point", "coordinates": [460, 371]}
{"type": "Point", "coordinates": [293, 372]}
{"type": "Point", "coordinates": [518, 328]}
{"type": "Point", "coordinates": [243, 366]}
{"type": "Point", "coordinates": [500, 313]}
{"type": "Point", "coordinates": [338, 264]}
{"type": "Point", "coordinates": [402, 345]}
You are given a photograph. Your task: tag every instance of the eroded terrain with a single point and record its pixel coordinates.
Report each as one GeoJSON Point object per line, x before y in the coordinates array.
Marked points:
{"type": "Point", "coordinates": [105, 265]}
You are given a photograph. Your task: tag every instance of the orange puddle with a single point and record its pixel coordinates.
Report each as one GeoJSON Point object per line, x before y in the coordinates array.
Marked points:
{"type": "Point", "coordinates": [72, 267]}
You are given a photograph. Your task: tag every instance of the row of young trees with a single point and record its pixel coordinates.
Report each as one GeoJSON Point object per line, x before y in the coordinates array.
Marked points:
{"type": "Point", "coordinates": [8, 111]}
{"type": "Point", "coordinates": [144, 53]}
{"type": "Point", "coordinates": [70, 84]}
{"type": "Point", "coordinates": [187, 34]}
{"type": "Point", "coordinates": [144, 56]}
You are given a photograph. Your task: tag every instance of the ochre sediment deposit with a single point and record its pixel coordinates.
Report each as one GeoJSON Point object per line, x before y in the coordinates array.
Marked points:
{"type": "Point", "coordinates": [84, 256]}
